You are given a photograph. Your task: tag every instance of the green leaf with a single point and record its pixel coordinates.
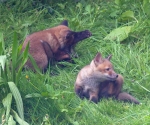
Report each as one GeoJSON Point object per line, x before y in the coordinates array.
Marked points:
{"type": "Point", "coordinates": [64, 110]}
{"type": "Point", "coordinates": [79, 5]}
{"type": "Point", "coordinates": [127, 15]}
{"type": "Point", "coordinates": [76, 123]}
{"type": "Point", "coordinates": [118, 2]}
{"type": "Point", "coordinates": [18, 119]}
{"type": "Point", "coordinates": [33, 95]}
{"type": "Point", "coordinates": [49, 88]}
{"type": "Point", "coordinates": [46, 120]}
{"type": "Point", "coordinates": [146, 7]}
{"type": "Point", "coordinates": [7, 104]}
{"type": "Point", "coordinates": [88, 8]}
{"type": "Point", "coordinates": [119, 34]}
{"type": "Point", "coordinates": [3, 61]}
{"type": "Point", "coordinates": [62, 6]}
{"type": "Point", "coordinates": [11, 121]}
{"type": "Point", "coordinates": [18, 99]}
{"type": "Point", "coordinates": [2, 46]}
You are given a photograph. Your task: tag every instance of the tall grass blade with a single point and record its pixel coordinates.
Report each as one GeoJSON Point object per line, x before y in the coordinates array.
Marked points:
{"type": "Point", "coordinates": [2, 45]}
{"type": "Point", "coordinates": [3, 71]}
{"type": "Point", "coordinates": [2, 114]}
{"type": "Point", "coordinates": [20, 55]}
{"type": "Point", "coordinates": [1, 48]}
{"type": "Point", "coordinates": [22, 61]}
{"type": "Point", "coordinates": [18, 99]}
{"type": "Point", "coordinates": [3, 61]}
{"type": "Point", "coordinates": [35, 65]}
{"type": "Point", "coordinates": [18, 119]}
{"type": "Point", "coordinates": [7, 105]}
{"type": "Point", "coordinates": [14, 55]}
{"type": "Point", "coordinates": [11, 121]}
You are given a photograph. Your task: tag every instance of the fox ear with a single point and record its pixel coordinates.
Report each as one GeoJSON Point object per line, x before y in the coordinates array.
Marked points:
{"type": "Point", "coordinates": [109, 57]}
{"type": "Point", "coordinates": [65, 22]}
{"type": "Point", "coordinates": [98, 59]}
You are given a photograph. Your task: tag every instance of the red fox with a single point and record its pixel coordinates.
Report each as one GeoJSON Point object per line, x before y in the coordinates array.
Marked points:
{"type": "Point", "coordinates": [98, 80]}
{"type": "Point", "coordinates": [54, 43]}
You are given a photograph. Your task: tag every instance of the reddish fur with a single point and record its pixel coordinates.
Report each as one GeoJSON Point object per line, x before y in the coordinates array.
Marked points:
{"type": "Point", "coordinates": [98, 80]}
{"type": "Point", "coordinates": [60, 41]}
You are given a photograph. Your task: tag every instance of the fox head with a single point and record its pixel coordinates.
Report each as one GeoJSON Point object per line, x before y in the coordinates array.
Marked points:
{"type": "Point", "coordinates": [70, 38]}
{"type": "Point", "coordinates": [103, 67]}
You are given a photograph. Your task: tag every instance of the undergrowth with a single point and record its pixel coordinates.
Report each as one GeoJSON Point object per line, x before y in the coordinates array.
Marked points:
{"type": "Point", "coordinates": [49, 98]}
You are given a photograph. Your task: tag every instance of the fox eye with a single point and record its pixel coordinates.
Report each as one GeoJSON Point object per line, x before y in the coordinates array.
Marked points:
{"type": "Point", "coordinates": [107, 69]}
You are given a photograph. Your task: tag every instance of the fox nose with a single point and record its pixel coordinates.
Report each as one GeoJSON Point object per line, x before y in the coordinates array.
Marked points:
{"type": "Point", "coordinates": [117, 76]}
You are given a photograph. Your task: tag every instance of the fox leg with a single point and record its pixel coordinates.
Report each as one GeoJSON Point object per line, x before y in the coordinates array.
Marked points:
{"type": "Point", "coordinates": [48, 50]}
{"type": "Point", "coordinates": [41, 61]}
{"type": "Point", "coordinates": [94, 96]}
{"type": "Point", "coordinates": [118, 84]}
{"type": "Point", "coordinates": [123, 96]}
{"type": "Point", "coordinates": [61, 55]}
{"type": "Point", "coordinates": [79, 91]}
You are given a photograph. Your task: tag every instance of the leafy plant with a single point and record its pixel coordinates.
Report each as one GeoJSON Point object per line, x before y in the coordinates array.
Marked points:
{"type": "Point", "coordinates": [11, 72]}
{"type": "Point", "coordinates": [119, 34]}
{"type": "Point", "coordinates": [133, 27]}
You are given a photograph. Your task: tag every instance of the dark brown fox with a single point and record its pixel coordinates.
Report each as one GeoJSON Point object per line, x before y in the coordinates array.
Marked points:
{"type": "Point", "coordinates": [98, 80]}
{"type": "Point", "coordinates": [56, 43]}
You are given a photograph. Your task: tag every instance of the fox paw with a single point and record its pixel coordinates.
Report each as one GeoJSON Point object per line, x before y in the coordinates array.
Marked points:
{"type": "Point", "coordinates": [87, 33]}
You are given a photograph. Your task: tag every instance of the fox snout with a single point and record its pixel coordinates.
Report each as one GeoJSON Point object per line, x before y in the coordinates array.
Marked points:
{"type": "Point", "coordinates": [87, 33]}
{"type": "Point", "coordinates": [113, 77]}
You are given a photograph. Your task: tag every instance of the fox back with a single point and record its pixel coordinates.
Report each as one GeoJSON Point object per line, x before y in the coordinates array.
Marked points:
{"type": "Point", "coordinates": [54, 43]}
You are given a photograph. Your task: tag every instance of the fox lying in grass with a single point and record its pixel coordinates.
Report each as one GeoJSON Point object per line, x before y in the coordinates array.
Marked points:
{"type": "Point", "coordinates": [55, 43]}
{"type": "Point", "coordinates": [98, 80]}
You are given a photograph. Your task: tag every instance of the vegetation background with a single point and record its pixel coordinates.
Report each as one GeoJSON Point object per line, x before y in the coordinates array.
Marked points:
{"type": "Point", "coordinates": [119, 27]}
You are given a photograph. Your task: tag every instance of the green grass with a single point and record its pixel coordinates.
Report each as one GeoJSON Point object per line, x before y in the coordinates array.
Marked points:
{"type": "Point", "coordinates": [54, 94]}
